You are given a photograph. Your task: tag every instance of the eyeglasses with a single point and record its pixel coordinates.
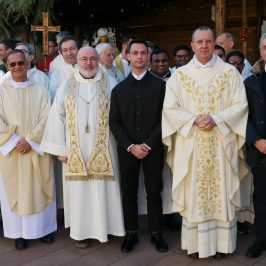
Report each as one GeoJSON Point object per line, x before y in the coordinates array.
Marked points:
{"type": "Point", "coordinates": [182, 56]}
{"type": "Point", "coordinates": [86, 59]}
{"type": "Point", "coordinates": [236, 62]}
{"type": "Point", "coordinates": [19, 63]}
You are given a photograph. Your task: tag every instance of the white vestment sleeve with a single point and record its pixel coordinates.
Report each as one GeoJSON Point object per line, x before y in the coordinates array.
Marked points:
{"type": "Point", "coordinates": [223, 128]}
{"type": "Point", "coordinates": [35, 146]}
{"type": "Point", "coordinates": [9, 145]}
{"type": "Point", "coordinates": [54, 137]}
{"type": "Point", "coordinates": [54, 82]}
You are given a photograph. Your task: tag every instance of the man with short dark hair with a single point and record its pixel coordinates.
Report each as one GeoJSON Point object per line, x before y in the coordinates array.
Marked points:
{"type": "Point", "coordinates": [58, 61]}
{"type": "Point", "coordinates": [181, 55]}
{"type": "Point", "coordinates": [68, 48]}
{"type": "Point", "coordinates": [6, 45]}
{"type": "Point", "coordinates": [135, 121]}
{"type": "Point", "coordinates": [160, 64]}
{"type": "Point", "coordinates": [236, 58]}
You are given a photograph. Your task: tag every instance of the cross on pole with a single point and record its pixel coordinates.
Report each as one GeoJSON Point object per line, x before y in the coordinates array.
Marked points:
{"type": "Point", "coordinates": [45, 28]}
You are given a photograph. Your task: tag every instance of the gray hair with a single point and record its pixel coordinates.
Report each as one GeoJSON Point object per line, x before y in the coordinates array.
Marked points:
{"type": "Point", "coordinates": [102, 46]}
{"type": "Point", "coordinates": [29, 47]}
{"type": "Point", "coordinates": [229, 36]}
{"type": "Point", "coordinates": [63, 34]}
{"type": "Point", "coordinates": [262, 38]}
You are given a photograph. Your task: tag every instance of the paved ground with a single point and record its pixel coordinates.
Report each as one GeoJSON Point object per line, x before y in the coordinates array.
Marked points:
{"type": "Point", "coordinates": [64, 252]}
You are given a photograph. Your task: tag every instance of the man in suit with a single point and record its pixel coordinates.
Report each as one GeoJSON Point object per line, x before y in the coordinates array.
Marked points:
{"type": "Point", "coordinates": [256, 147]}
{"type": "Point", "coordinates": [135, 121]}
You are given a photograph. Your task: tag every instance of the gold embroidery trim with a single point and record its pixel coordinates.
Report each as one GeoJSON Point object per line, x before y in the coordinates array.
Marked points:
{"type": "Point", "coordinates": [208, 175]}
{"type": "Point", "coordinates": [99, 165]}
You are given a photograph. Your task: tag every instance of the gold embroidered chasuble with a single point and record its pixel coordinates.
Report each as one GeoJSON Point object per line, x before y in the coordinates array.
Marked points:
{"type": "Point", "coordinates": [28, 179]}
{"type": "Point", "coordinates": [207, 165]}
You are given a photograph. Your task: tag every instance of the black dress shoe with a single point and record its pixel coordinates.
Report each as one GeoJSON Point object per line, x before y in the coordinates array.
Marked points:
{"type": "Point", "coordinates": [158, 241]}
{"type": "Point", "coordinates": [194, 255]}
{"type": "Point", "coordinates": [219, 255]}
{"type": "Point", "coordinates": [242, 228]}
{"type": "Point", "coordinates": [171, 221]}
{"type": "Point", "coordinates": [21, 243]}
{"type": "Point", "coordinates": [85, 243]}
{"type": "Point", "coordinates": [48, 239]}
{"type": "Point", "coordinates": [255, 250]}
{"type": "Point", "coordinates": [130, 242]}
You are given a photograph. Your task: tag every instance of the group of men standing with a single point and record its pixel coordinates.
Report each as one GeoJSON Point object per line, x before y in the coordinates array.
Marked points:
{"type": "Point", "coordinates": [104, 125]}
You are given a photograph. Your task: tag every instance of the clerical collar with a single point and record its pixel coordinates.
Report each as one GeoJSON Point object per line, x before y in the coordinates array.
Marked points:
{"type": "Point", "coordinates": [22, 84]}
{"type": "Point", "coordinates": [139, 77]}
{"type": "Point", "coordinates": [210, 64]}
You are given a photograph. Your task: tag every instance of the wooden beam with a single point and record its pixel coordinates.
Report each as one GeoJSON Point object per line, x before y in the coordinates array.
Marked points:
{"type": "Point", "coordinates": [244, 33]}
{"type": "Point", "coordinates": [220, 7]}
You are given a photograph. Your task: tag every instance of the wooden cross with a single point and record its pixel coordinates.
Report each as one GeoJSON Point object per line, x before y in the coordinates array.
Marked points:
{"type": "Point", "coordinates": [45, 28]}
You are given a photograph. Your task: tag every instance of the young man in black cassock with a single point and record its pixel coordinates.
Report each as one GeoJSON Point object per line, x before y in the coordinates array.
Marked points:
{"type": "Point", "coordinates": [135, 121]}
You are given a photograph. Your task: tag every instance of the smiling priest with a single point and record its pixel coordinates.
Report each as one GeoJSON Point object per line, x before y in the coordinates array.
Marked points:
{"type": "Point", "coordinates": [77, 132]}
{"type": "Point", "coordinates": [26, 176]}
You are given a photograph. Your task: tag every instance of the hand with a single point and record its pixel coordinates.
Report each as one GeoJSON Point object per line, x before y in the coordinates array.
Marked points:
{"type": "Point", "coordinates": [23, 146]}
{"type": "Point", "coordinates": [205, 122]}
{"type": "Point", "coordinates": [62, 159]}
{"type": "Point", "coordinates": [261, 145]}
{"type": "Point", "coordinates": [139, 151]}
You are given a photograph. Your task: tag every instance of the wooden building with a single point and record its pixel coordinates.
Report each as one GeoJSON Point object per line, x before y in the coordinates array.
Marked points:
{"type": "Point", "coordinates": [167, 23]}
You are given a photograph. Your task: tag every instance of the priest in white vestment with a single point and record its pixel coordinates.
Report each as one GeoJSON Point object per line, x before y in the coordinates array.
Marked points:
{"type": "Point", "coordinates": [204, 126]}
{"type": "Point", "coordinates": [58, 60]}
{"type": "Point", "coordinates": [106, 58]}
{"type": "Point", "coordinates": [26, 176]}
{"type": "Point", "coordinates": [77, 132]}
{"type": "Point", "coordinates": [62, 70]}
{"type": "Point", "coordinates": [33, 74]}
{"type": "Point", "coordinates": [68, 49]}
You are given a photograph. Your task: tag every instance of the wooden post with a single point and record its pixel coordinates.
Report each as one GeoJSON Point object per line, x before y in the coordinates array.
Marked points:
{"type": "Point", "coordinates": [45, 28]}
{"type": "Point", "coordinates": [220, 7]}
{"type": "Point", "coordinates": [244, 32]}
{"type": "Point", "coordinates": [259, 13]}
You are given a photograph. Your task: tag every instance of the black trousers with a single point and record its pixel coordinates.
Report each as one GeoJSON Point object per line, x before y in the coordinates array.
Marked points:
{"type": "Point", "coordinates": [152, 168]}
{"type": "Point", "coordinates": [259, 200]}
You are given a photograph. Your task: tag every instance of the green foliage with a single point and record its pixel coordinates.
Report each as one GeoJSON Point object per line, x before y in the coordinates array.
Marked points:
{"type": "Point", "coordinates": [17, 12]}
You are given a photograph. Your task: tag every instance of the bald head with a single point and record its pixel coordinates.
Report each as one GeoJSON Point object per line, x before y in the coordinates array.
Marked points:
{"type": "Point", "coordinates": [226, 40]}
{"type": "Point", "coordinates": [88, 61]}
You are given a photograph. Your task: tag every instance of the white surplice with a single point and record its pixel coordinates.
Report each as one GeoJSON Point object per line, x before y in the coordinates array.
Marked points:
{"type": "Point", "coordinates": [59, 72]}
{"type": "Point", "coordinates": [92, 208]}
{"type": "Point", "coordinates": [28, 226]}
